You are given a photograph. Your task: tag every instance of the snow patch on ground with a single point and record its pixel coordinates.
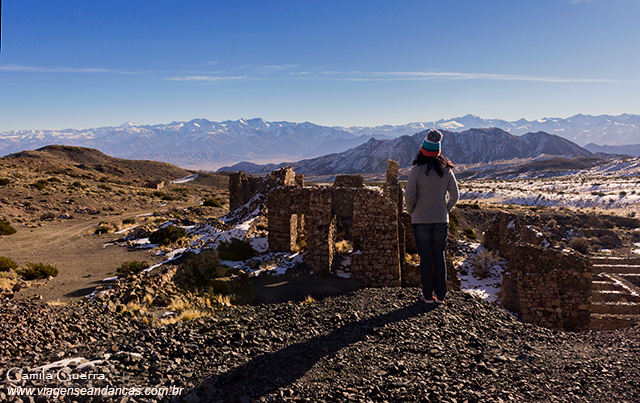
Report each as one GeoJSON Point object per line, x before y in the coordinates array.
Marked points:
{"type": "Point", "coordinates": [613, 186]}
{"type": "Point", "coordinates": [122, 231]}
{"type": "Point", "coordinates": [185, 179]}
{"type": "Point", "coordinates": [487, 288]}
{"type": "Point", "coordinates": [270, 263]}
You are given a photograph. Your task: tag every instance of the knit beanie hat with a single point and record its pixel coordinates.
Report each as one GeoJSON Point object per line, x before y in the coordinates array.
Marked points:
{"type": "Point", "coordinates": [431, 144]}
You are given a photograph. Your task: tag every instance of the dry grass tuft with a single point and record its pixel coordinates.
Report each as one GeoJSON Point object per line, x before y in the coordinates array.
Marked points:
{"type": "Point", "coordinates": [178, 305]}
{"type": "Point", "coordinates": [343, 246]}
{"type": "Point", "coordinates": [309, 300]}
{"type": "Point", "coordinates": [168, 321]}
{"type": "Point", "coordinates": [191, 314]}
{"type": "Point", "coordinates": [148, 299]}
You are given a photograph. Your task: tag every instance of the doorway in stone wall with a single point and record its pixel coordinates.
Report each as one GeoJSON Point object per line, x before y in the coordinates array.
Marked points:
{"type": "Point", "coordinates": [343, 247]}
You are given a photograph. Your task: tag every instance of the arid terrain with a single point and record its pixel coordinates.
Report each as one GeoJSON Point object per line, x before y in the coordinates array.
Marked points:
{"type": "Point", "coordinates": [67, 204]}
{"type": "Point", "coordinates": [264, 329]}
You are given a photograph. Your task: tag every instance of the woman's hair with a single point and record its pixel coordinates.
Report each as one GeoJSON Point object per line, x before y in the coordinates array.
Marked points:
{"type": "Point", "coordinates": [435, 163]}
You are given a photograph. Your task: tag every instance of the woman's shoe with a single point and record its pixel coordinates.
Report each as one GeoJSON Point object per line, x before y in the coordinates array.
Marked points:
{"type": "Point", "coordinates": [424, 300]}
{"type": "Point", "coordinates": [437, 300]}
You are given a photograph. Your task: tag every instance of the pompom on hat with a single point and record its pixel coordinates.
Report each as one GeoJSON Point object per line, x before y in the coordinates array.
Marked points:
{"type": "Point", "coordinates": [431, 146]}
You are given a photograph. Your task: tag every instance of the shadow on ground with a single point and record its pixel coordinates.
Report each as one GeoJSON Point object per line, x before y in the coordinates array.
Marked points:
{"type": "Point", "coordinates": [270, 371]}
{"type": "Point", "coordinates": [289, 287]}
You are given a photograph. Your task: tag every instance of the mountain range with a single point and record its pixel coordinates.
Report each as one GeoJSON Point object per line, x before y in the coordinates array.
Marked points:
{"type": "Point", "coordinates": [467, 147]}
{"type": "Point", "coordinates": [203, 144]}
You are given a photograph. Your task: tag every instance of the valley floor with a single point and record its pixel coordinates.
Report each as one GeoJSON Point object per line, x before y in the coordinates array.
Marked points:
{"type": "Point", "coordinates": [72, 247]}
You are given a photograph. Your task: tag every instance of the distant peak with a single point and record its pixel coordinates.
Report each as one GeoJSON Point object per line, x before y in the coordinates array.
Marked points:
{"type": "Point", "coordinates": [127, 124]}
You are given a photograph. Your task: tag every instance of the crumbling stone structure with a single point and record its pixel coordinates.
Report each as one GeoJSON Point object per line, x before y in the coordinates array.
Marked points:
{"type": "Point", "coordinates": [544, 285]}
{"type": "Point", "coordinates": [314, 218]}
{"type": "Point", "coordinates": [242, 186]}
{"type": "Point", "coordinates": [157, 185]}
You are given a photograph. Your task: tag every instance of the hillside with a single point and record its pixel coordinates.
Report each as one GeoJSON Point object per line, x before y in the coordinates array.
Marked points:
{"type": "Point", "coordinates": [372, 345]}
{"type": "Point", "coordinates": [468, 147]}
{"type": "Point", "coordinates": [63, 181]}
{"type": "Point", "coordinates": [87, 159]}
{"type": "Point", "coordinates": [627, 149]}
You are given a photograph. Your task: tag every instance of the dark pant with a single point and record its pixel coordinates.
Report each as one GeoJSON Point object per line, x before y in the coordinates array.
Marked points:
{"type": "Point", "coordinates": [431, 240]}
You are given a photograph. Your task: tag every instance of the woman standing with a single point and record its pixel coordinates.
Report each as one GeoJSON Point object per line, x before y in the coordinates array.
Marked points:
{"type": "Point", "coordinates": [430, 179]}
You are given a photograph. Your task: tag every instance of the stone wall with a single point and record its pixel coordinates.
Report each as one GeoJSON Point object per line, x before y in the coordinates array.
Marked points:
{"type": "Point", "coordinates": [544, 285]}
{"type": "Point", "coordinates": [372, 220]}
{"type": "Point", "coordinates": [376, 256]}
{"type": "Point", "coordinates": [284, 177]}
{"type": "Point", "coordinates": [321, 232]}
{"type": "Point", "coordinates": [286, 206]}
{"type": "Point", "coordinates": [349, 181]}
{"type": "Point", "coordinates": [242, 187]}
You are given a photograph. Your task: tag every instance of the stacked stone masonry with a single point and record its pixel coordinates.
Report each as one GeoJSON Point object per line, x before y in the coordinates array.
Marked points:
{"type": "Point", "coordinates": [547, 286]}
{"type": "Point", "coordinates": [371, 220]}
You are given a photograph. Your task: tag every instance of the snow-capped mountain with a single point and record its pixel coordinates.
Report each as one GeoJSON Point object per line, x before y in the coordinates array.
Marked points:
{"type": "Point", "coordinates": [467, 147]}
{"type": "Point", "coordinates": [204, 144]}
{"type": "Point", "coordinates": [197, 143]}
{"type": "Point", "coordinates": [581, 129]}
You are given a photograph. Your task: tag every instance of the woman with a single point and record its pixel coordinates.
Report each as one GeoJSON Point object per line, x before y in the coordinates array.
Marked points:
{"type": "Point", "coordinates": [430, 179]}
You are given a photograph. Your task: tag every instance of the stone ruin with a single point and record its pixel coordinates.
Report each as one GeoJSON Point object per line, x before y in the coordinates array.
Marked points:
{"type": "Point", "coordinates": [317, 217]}
{"type": "Point", "coordinates": [545, 285]}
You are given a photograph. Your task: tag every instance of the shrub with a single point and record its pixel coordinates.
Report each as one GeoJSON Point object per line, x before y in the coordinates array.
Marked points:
{"type": "Point", "coordinates": [54, 180]}
{"type": "Point", "coordinates": [6, 228]}
{"type": "Point", "coordinates": [470, 233]}
{"type": "Point", "coordinates": [49, 216]}
{"type": "Point", "coordinates": [212, 202]}
{"type": "Point", "coordinates": [7, 264]}
{"type": "Point", "coordinates": [453, 223]}
{"type": "Point", "coordinates": [235, 250]}
{"type": "Point", "coordinates": [201, 268]}
{"type": "Point", "coordinates": [102, 230]}
{"type": "Point", "coordinates": [483, 264]}
{"type": "Point", "coordinates": [4, 182]}
{"type": "Point", "coordinates": [104, 187]}
{"type": "Point", "coordinates": [129, 221]}
{"type": "Point", "coordinates": [167, 235]}
{"type": "Point", "coordinates": [35, 271]}
{"type": "Point", "coordinates": [130, 268]}
{"type": "Point", "coordinates": [41, 184]}
{"type": "Point", "coordinates": [580, 244]}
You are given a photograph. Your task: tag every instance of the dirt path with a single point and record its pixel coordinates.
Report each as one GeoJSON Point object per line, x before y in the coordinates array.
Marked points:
{"type": "Point", "coordinates": [80, 256]}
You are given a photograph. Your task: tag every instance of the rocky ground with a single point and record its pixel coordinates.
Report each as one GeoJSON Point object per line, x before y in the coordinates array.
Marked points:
{"type": "Point", "coordinates": [372, 345]}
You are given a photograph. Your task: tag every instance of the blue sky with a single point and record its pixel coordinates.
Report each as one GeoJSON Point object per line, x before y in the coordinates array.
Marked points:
{"type": "Point", "coordinates": [84, 63]}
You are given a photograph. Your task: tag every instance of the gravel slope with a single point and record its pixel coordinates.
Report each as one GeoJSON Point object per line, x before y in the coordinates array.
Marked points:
{"type": "Point", "coordinates": [372, 345]}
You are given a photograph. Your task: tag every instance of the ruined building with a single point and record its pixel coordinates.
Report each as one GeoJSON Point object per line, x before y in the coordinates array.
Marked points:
{"type": "Point", "coordinates": [545, 285]}
{"type": "Point", "coordinates": [317, 217]}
